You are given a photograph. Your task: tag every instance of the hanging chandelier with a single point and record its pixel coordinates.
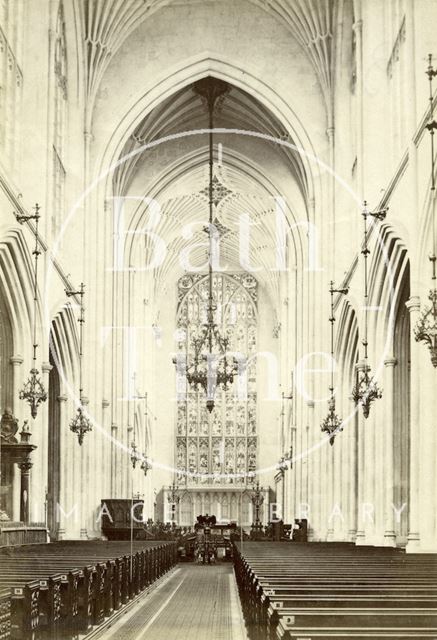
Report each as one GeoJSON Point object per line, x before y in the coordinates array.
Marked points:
{"type": "Point", "coordinates": [332, 424]}
{"type": "Point", "coordinates": [80, 424]}
{"type": "Point", "coordinates": [366, 390]}
{"type": "Point", "coordinates": [286, 458]}
{"type": "Point", "coordinates": [426, 327]}
{"type": "Point", "coordinates": [145, 464]}
{"type": "Point", "coordinates": [134, 455]}
{"type": "Point", "coordinates": [209, 366]}
{"type": "Point", "coordinates": [33, 391]}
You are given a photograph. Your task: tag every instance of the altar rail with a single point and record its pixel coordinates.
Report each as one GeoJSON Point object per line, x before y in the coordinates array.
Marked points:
{"type": "Point", "coordinates": [62, 589]}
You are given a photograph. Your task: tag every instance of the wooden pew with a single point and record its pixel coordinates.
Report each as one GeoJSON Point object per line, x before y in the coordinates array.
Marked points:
{"type": "Point", "coordinates": [50, 593]}
{"type": "Point", "coordinates": [286, 587]}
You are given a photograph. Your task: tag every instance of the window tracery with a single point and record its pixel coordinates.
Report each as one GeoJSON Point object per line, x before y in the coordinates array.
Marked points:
{"type": "Point", "coordinates": [218, 448]}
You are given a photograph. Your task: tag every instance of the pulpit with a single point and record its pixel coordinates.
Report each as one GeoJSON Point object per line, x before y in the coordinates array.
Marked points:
{"type": "Point", "coordinates": [16, 452]}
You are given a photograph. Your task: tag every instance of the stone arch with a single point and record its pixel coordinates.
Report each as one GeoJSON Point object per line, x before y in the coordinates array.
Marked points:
{"type": "Point", "coordinates": [184, 75]}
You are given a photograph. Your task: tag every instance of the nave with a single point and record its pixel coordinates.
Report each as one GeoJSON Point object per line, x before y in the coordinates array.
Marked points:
{"type": "Point", "coordinates": [218, 296]}
{"type": "Point", "coordinates": [194, 602]}
{"type": "Point", "coordinates": [270, 591]}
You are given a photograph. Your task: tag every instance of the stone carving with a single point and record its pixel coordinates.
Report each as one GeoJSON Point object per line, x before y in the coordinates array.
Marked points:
{"type": "Point", "coordinates": [8, 427]}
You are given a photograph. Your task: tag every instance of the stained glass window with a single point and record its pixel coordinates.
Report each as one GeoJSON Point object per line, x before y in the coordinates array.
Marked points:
{"type": "Point", "coordinates": [219, 448]}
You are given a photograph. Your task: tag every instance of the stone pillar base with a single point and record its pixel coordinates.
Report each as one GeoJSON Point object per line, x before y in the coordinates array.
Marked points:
{"type": "Point", "coordinates": [83, 534]}
{"type": "Point", "coordinates": [389, 539]}
{"type": "Point", "coordinates": [413, 543]}
{"type": "Point", "coordinates": [424, 549]}
{"type": "Point", "coordinates": [360, 538]}
{"type": "Point", "coordinates": [352, 535]}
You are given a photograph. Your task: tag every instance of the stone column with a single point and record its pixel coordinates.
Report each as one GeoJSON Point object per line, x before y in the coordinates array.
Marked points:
{"type": "Point", "coordinates": [389, 523]}
{"type": "Point", "coordinates": [42, 472]}
{"type": "Point", "coordinates": [17, 406]}
{"type": "Point", "coordinates": [352, 437]}
{"type": "Point", "coordinates": [106, 451]}
{"type": "Point", "coordinates": [85, 479]}
{"type": "Point", "coordinates": [361, 535]}
{"type": "Point", "coordinates": [129, 469]}
{"type": "Point", "coordinates": [16, 362]}
{"type": "Point", "coordinates": [413, 543]}
{"type": "Point", "coordinates": [25, 468]}
{"type": "Point", "coordinates": [64, 472]}
{"type": "Point", "coordinates": [114, 466]}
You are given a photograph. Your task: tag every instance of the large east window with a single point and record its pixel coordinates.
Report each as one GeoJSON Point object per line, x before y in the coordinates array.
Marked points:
{"type": "Point", "coordinates": [218, 448]}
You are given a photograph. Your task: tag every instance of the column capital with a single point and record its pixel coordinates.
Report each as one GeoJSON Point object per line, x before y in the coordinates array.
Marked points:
{"type": "Point", "coordinates": [413, 304]}
{"type": "Point", "coordinates": [310, 404]}
{"type": "Point", "coordinates": [85, 401]}
{"type": "Point", "coordinates": [114, 427]}
{"type": "Point", "coordinates": [62, 398]}
{"type": "Point", "coordinates": [46, 367]}
{"type": "Point", "coordinates": [105, 403]}
{"type": "Point", "coordinates": [390, 362]}
{"type": "Point", "coordinates": [25, 466]}
{"type": "Point", "coordinates": [16, 360]}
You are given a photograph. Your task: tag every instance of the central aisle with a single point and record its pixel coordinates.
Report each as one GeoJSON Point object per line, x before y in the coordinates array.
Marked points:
{"type": "Point", "coordinates": [195, 601]}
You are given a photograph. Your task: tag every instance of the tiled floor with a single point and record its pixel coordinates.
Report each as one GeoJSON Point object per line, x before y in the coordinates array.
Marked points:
{"type": "Point", "coordinates": [195, 602]}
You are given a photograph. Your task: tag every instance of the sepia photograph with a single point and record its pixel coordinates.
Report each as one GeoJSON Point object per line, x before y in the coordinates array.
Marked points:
{"type": "Point", "coordinates": [218, 319]}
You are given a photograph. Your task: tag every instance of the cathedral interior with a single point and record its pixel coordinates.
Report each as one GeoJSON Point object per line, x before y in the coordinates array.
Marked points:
{"type": "Point", "coordinates": [218, 319]}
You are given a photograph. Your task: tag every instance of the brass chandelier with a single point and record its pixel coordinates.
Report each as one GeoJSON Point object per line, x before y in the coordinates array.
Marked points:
{"type": "Point", "coordinates": [145, 464]}
{"type": "Point", "coordinates": [135, 455]}
{"type": "Point", "coordinates": [33, 390]}
{"type": "Point", "coordinates": [426, 327]}
{"type": "Point", "coordinates": [366, 390]}
{"type": "Point", "coordinates": [332, 424]}
{"type": "Point", "coordinates": [80, 424]}
{"type": "Point", "coordinates": [209, 366]}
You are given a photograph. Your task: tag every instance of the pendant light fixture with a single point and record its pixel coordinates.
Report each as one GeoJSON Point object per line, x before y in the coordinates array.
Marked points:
{"type": "Point", "coordinates": [80, 424]}
{"type": "Point", "coordinates": [366, 390]}
{"type": "Point", "coordinates": [33, 390]}
{"type": "Point", "coordinates": [209, 367]}
{"type": "Point", "coordinates": [133, 452]}
{"type": "Point", "coordinates": [332, 423]}
{"type": "Point", "coordinates": [426, 327]}
{"type": "Point", "coordinates": [145, 464]}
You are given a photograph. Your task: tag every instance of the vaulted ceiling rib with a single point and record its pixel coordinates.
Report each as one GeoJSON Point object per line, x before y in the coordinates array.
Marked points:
{"type": "Point", "coordinates": [107, 23]}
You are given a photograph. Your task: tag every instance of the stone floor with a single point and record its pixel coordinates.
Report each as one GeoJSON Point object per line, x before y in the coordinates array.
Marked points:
{"type": "Point", "coordinates": [195, 602]}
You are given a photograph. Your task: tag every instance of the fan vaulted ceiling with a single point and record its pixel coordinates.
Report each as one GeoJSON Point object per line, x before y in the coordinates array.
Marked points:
{"type": "Point", "coordinates": [107, 23]}
{"type": "Point", "coordinates": [250, 172]}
